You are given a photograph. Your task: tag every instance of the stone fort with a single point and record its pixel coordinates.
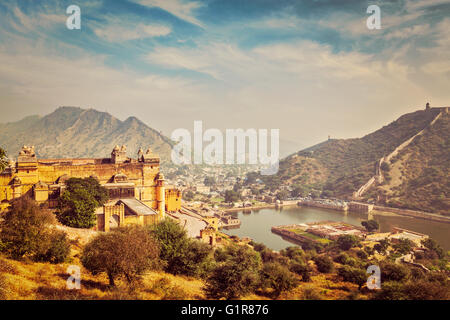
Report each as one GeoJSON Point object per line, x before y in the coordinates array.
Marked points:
{"type": "Point", "coordinates": [136, 187]}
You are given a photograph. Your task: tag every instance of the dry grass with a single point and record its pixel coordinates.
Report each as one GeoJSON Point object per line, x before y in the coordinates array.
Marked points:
{"type": "Point", "coordinates": [26, 280]}
{"type": "Point", "coordinates": [323, 287]}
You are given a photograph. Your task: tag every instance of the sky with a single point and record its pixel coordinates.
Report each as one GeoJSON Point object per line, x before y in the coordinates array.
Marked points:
{"type": "Point", "coordinates": [309, 68]}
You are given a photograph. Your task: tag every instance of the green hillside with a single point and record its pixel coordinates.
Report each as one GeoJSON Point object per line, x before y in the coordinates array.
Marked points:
{"type": "Point", "coordinates": [418, 177]}
{"type": "Point", "coordinates": [339, 167]}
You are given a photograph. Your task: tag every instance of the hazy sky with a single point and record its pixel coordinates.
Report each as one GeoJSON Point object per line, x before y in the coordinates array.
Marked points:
{"type": "Point", "coordinates": [309, 68]}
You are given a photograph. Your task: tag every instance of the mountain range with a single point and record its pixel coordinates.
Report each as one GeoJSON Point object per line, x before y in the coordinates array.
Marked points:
{"type": "Point", "coordinates": [81, 133]}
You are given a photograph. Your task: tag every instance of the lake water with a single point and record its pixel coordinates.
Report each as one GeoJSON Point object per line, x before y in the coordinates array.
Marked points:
{"type": "Point", "coordinates": [257, 224]}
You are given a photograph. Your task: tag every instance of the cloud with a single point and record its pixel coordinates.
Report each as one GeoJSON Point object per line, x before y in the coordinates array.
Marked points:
{"type": "Point", "coordinates": [215, 60]}
{"type": "Point", "coordinates": [306, 88]}
{"type": "Point", "coordinates": [26, 23]}
{"type": "Point", "coordinates": [229, 63]}
{"type": "Point", "coordinates": [119, 33]}
{"type": "Point", "coordinates": [408, 32]}
{"type": "Point", "coordinates": [179, 8]}
{"type": "Point", "coordinates": [413, 5]}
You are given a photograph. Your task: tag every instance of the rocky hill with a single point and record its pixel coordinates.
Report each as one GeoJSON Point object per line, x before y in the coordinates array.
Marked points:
{"type": "Point", "coordinates": [77, 132]}
{"type": "Point", "coordinates": [415, 177]}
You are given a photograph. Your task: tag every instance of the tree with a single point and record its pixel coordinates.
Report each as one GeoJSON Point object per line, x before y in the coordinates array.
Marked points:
{"type": "Point", "coordinates": [385, 166]}
{"type": "Point", "coordinates": [393, 272]}
{"type": "Point", "coordinates": [189, 195]}
{"type": "Point", "coordinates": [58, 248]}
{"type": "Point", "coordinates": [124, 252]}
{"type": "Point", "coordinates": [294, 253]}
{"type": "Point", "coordinates": [354, 275]}
{"type": "Point", "coordinates": [251, 178]}
{"type": "Point", "coordinates": [324, 264]}
{"type": "Point", "coordinates": [181, 254]}
{"type": "Point", "coordinates": [26, 231]}
{"type": "Point", "coordinates": [413, 290]}
{"type": "Point", "coordinates": [382, 246]}
{"type": "Point", "coordinates": [344, 258]}
{"type": "Point", "coordinates": [231, 196]}
{"type": "Point", "coordinates": [302, 269]}
{"type": "Point", "coordinates": [278, 278]}
{"type": "Point", "coordinates": [3, 160]}
{"type": "Point", "coordinates": [403, 246]}
{"type": "Point", "coordinates": [426, 290]}
{"type": "Point", "coordinates": [347, 241]}
{"type": "Point", "coordinates": [236, 274]}
{"type": "Point", "coordinates": [370, 225]}
{"type": "Point", "coordinates": [432, 245]}
{"type": "Point", "coordinates": [76, 206]}
{"type": "Point", "coordinates": [282, 195]}
{"type": "Point", "coordinates": [298, 191]}
{"type": "Point", "coordinates": [209, 181]}
{"type": "Point", "coordinates": [391, 290]}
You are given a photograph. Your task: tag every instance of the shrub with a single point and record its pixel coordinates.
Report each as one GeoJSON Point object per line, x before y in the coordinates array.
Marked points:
{"type": "Point", "coordinates": [432, 245]}
{"type": "Point", "coordinates": [426, 290]}
{"type": "Point", "coordinates": [25, 231]}
{"type": "Point", "coordinates": [382, 246]}
{"type": "Point", "coordinates": [343, 258]}
{"type": "Point", "coordinates": [413, 290]}
{"type": "Point", "coordinates": [126, 252]}
{"type": "Point", "coordinates": [345, 242]}
{"type": "Point", "coordinates": [268, 255]}
{"type": "Point", "coordinates": [417, 273]}
{"type": "Point", "coordinates": [278, 278]}
{"type": "Point", "coordinates": [311, 293]}
{"type": "Point", "coordinates": [196, 260]}
{"type": "Point", "coordinates": [370, 225]}
{"type": "Point", "coordinates": [236, 274]}
{"type": "Point", "coordinates": [403, 246]}
{"type": "Point", "coordinates": [259, 247]}
{"type": "Point", "coordinates": [362, 254]}
{"type": "Point", "coordinates": [181, 254]}
{"type": "Point", "coordinates": [302, 270]}
{"type": "Point", "coordinates": [294, 253]}
{"type": "Point", "coordinates": [58, 248]}
{"type": "Point", "coordinates": [390, 290]}
{"type": "Point", "coordinates": [393, 272]}
{"type": "Point", "coordinates": [324, 264]}
{"type": "Point", "coordinates": [167, 291]}
{"type": "Point", "coordinates": [354, 275]}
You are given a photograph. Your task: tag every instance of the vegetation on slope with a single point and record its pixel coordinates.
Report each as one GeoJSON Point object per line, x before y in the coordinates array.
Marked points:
{"type": "Point", "coordinates": [161, 262]}
{"type": "Point", "coordinates": [337, 168]}
{"type": "Point", "coordinates": [422, 167]}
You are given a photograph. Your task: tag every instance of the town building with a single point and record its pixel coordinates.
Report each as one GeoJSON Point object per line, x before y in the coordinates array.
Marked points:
{"type": "Point", "coordinates": [136, 187]}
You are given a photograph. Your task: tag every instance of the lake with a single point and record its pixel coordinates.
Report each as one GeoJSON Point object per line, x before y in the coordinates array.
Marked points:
{"type": "Point", "coordinates": [257, 224]}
